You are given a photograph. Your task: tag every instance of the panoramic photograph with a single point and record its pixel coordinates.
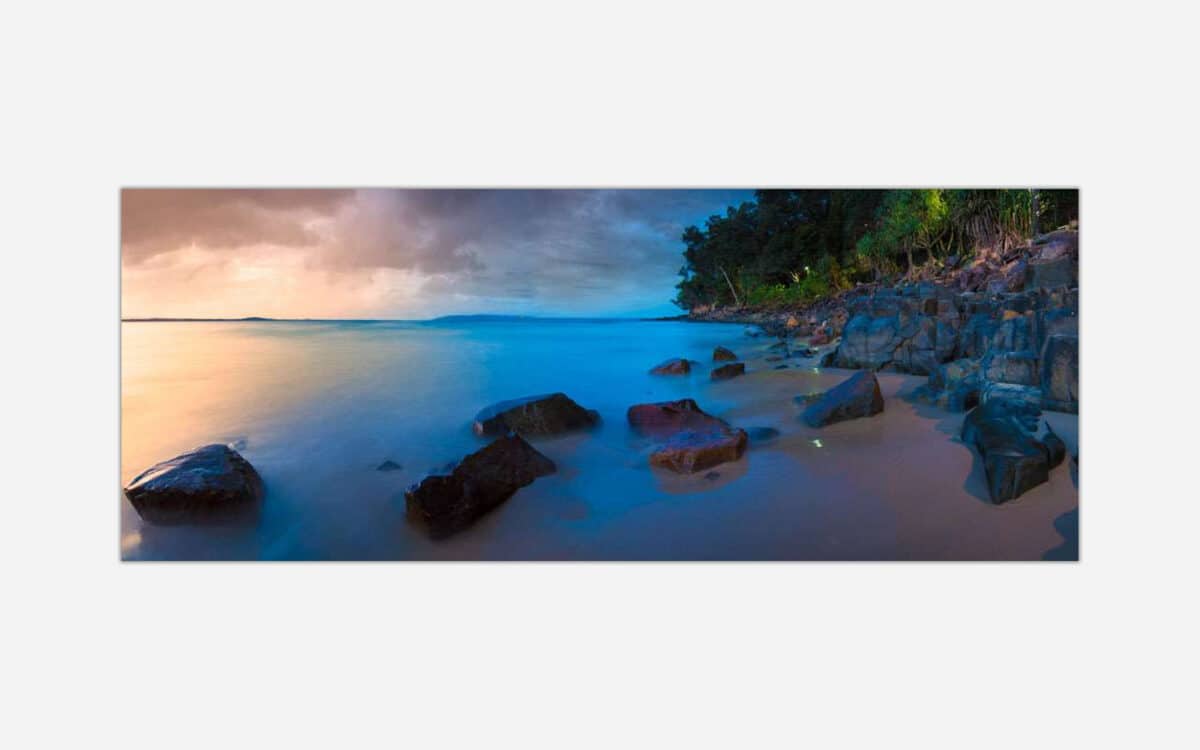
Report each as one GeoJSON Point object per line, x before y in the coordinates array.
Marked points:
{"type": "Point", "coordinates": [813, 374]}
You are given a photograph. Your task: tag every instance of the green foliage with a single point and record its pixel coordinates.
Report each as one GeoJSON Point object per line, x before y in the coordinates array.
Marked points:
{"type": "Point", "coordinates": [791, 247]}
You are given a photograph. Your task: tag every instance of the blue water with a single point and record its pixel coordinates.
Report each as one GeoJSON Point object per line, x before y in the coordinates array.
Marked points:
{"type": "Point", "coordinates": [317, 406]}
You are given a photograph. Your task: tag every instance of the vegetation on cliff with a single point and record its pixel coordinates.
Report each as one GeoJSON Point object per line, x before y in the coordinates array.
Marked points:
{"type": "Point", "coordinates": [793, 247]}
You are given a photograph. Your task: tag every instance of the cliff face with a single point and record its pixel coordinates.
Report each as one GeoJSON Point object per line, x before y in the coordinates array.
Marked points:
{"type": "Point", "coordinates": [1004, 325]}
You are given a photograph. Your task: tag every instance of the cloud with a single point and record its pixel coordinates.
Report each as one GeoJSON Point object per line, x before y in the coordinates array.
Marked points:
{"type": "Point", "coordinates": [561, 251]}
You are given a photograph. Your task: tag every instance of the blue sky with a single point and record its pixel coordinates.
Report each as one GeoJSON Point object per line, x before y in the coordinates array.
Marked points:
{"type": "Point", "coordinates": [398, 253]}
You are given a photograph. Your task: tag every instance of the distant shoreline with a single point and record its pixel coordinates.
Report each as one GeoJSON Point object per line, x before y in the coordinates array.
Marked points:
{"type": "Point", "coordinates": [442, 319]}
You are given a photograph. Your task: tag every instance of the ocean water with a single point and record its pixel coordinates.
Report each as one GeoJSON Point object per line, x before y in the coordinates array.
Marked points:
{"type": "Point", "coordinates": [318, 406]}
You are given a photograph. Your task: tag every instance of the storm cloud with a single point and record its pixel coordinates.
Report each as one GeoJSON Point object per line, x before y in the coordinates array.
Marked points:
{"type": "Point", "coordinates": [405, 252]}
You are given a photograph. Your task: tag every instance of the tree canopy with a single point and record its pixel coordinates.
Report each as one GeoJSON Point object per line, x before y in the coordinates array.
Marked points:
{"type": "Point", "coordinates": [795, 246]}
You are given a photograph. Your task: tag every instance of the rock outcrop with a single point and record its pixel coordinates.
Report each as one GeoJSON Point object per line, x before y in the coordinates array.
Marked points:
{"type": "Point", "coordinates": [689, 439]}
{"type": "Point", "coordinates": [721, 354]}
{"type": "Point", "coordinates": [856, 396]}
{"type": "Point", "coordinates": [483, 480]}
{"type": "Point", "coordinates": [1014, 460]}
{"type": "Point", "coordinates": [211, 484]}
{"type": "Point", "coordinates": [534, 416]}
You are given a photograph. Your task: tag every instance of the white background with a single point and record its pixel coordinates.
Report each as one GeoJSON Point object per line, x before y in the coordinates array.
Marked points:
{"type": "Point", "coordinates": [101, 95]}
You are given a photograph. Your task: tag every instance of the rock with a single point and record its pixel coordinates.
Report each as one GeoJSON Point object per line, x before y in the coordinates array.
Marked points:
{"type": "Point", "coordinates": [1018, 368]}
{"type": "Point", "coordinates": [778, 346]}
{"type": "Point", "coordinates": [388, 465]}
{"type": "Point", "coordinates": [731, 370]}
{"type": "Point", "coordinates": [1027, 396]}
{"type": "Point", "coordinates": [820, 338]}
{"type": "Point", "coordinates": [792, 322]}
{"type": "Point", "coordinates": [672, 367]}
{"type": "Point", "coordinates": [857, 396]}
{"type": "Point", "coordinates": [480, 482]}
{"type": "Point", "coordinates": [1045, 274]}
{"type": "Point", "coordinates": [721, 354]}
{"type": "Point", "coordinates": [213, 483]}
{"type": "Point", "coordinates": [1056, 449]}
{"type": "Point", "coordinates": [869, 342]}
{"type": "Point", "coordinates": [828, 359]}
{"type": "Point", "coordinates": [1013, 459]}
{"type": "Point", "coordinates": [762, 434]}
{"type": "Point", "coordinates": [712, 476]}
{"type": "Point", "coordinates": [954, 386]}
{"type": "Point", "coordinates": [1060, 373]}
{"type": "Point", "coordinates": [691, 440]}
{"type": "Point", "coordinates": [534, 416]}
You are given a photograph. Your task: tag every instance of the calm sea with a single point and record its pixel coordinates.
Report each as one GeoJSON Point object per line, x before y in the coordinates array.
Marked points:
{"type": "Point", "coordinates": [317, 406]}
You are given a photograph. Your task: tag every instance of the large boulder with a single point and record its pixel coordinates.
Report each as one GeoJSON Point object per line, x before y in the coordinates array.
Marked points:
{"type": "Point", "coordinates": [857, 396]}
{"type": "Point", "coordinates": [869, 342]}
{"type": "Point", "coordinates": [731, 370]}
{"type": "Point", "coordinates": [690, 440]}
{"type": "Point", "coordinates": [676, 366]}
{"type": "Point", "coordinates": [213, 483]}
{"type": "Point", "coordinates": [1014, 460]}
{"type": "Point", "coordinates": [721, 354]}
{"type": "Point", "coordinates": [1060, 373]}
{"type": "Point", "coordinates": [534, 416]}
{"type": "Point", "coordinates": [446, 503]}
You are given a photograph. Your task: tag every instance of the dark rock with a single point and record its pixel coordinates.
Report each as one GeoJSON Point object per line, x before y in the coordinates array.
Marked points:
{"type": "Point", "coordinates": [1014, 460]}
{"type": "Point", "coordinates": [780, 367]}
{"type": "Point", "coordinates": [869, 342]}
{"type": "Point", "coordinates": [1018, 368]}
{"type": "Point", "coordinates": [534, 416]}
{"type": "Point", "coordinates": [209, 484]}
{"type": "Point", "coordinates": [954, 386]}
{"type": "Point", "coordinates": [1056, 449]}
{"type": "Point", "coordinates": [721, 354]}
{"type": "Point", "coordinates": [388, 465]}
{"type": "Point", "coordinates": [731, 370]}
{"type": "Point", "coordinates": [762, 434]}
{"type": "Point", "coordinates": [481, 481]}
{"type": "Point", "coordinates": [712, 476]}
{"type": "Point", "coordinates": [691, 440]}
{"type": "Point", "coordinates": [673, 367]}
{"type": "Point", "coordinates": [1056, 272]}
{"type": "Point", "coordinates": [857, 396]}
{"type": "Point", "coordinates": [829, 358]}
{"type": "Point", "coordinates": [1060, 373]}
{"type": "Point", "coordinates": [1027, 396]}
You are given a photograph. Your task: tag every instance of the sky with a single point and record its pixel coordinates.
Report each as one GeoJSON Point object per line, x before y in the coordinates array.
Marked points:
{"type": "Point", "coordinates": [406, 254]}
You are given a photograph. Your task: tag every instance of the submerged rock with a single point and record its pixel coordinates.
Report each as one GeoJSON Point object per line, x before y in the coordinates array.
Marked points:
{"type": "Point", "coordinates": [213, 483]}
{"type": "Point", "coordinates": [388, 465]}
{"type": "Point", "coordinates": [676, 366]}
{"type": "Point", "coordinates": [731, 370]}
{"type": "Point", "coordinates": [534, 416]}
{"type": "Point", "coordinates": [480, 482]}
{"type": "Point", "coordinates": [691, 440]}
{"type": "Point", "coordinates": [762, 434]}
{"type": "Point", "coordinates": [1014, 461]}
{"type": "Point", "coordinates": [721, 354]}
{"type": "Point", "coordinates": [856, 396]}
